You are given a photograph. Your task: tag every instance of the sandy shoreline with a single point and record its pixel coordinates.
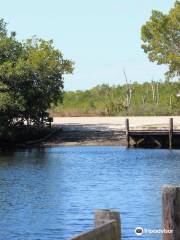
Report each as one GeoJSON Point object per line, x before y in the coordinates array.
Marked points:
{"type": "Point", "coordinates": [106, 131]}
{"type": "Point", "coordinates": [114, 123]}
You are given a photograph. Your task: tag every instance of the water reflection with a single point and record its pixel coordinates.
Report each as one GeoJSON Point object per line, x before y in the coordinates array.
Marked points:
{"type": "Point", "coordinates": [51, 193]}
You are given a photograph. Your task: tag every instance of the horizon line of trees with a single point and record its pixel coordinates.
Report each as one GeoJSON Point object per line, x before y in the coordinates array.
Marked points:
{"type": "Point", "coordinates": [32, 79]}
{"type": "Point", "coordinates": [160, 37]}
{"type": "Point", "coordinates": [148, 98]}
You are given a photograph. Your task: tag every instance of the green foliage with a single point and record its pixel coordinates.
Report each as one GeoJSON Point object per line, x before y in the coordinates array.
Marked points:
{"type": "Point", "coordinates": [31, 79]}
{"type": "Point", "coordinates": [161, 37]}
{"type": "Point", "coordinates": [149, 98]}
{"type": "Point", "coordinates": [32, 73]}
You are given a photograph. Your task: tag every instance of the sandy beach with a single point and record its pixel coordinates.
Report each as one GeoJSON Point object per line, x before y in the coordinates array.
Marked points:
{"type": "Point", "coordinates": [113, 123]}
{"type": "Point", "coordinates": [106, 131]}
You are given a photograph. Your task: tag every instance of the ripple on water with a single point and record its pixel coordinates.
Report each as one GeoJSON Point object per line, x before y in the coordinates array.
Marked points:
{"type": "Point", "coordinates": [52, 193]}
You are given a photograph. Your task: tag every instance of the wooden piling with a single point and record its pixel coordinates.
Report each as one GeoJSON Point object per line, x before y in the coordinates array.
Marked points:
{"type": "Point", "coordinates": [127, 132]}
{"type": "Point", "coordinates": [170, 132]}
{"type": "Point", "coordinates": [107, 226]}
{"type": "Point", "coordinates": [50, 120]}
{"type": "Point", "coordinates": [104, 216]}
{"type": "Point", "coordinates": [171, 213]}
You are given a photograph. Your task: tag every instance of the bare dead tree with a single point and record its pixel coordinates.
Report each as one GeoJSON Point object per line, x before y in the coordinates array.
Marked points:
{"type": "Point", "coordinates": [157, 93]}
{"type": "Point", "coordinates": [144, 99]}
{"type": "Point", "coordinates": [128, 91]}
{"type": "Point", "coordinates": [147, 90]}
{"type": "Point", "coordinates": [170, 102]}
{"type": "Point", "coordinates": [153, 90]}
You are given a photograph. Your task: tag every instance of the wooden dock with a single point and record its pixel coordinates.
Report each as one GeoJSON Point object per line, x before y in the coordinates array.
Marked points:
{"type": "Point", "coordinates": [166, 138]}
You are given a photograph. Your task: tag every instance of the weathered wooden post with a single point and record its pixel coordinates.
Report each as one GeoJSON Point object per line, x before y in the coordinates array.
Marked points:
{"type": "Point", "coordinates": [50, 119]}
{"type": "Point", "coordinates": [127, 131]}
{"type": "Point", "coordinates": [171, 213]}
{"type": "Point", "coordinates": [104, 216]}
{"type": "Point", "coordinates": [170, 132]}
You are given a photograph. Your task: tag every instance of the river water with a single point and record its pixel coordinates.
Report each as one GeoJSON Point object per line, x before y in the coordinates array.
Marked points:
{"type": "Point", "coordinates": [52, 193]}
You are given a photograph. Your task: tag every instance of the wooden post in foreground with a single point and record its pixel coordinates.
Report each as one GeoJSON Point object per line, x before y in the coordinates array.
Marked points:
{"type": "Point", "coordinates": [127, 131]}
{"type": "Point", "coordinates": [171, 213]}
{"type": "Point", "coordinates": [170, 132]}
{"type": "Point", "coordinates": [104, 216]}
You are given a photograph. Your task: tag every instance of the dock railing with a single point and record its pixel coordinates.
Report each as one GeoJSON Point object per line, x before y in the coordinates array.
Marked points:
{"type": "Point", "coordinates": [108, 224]}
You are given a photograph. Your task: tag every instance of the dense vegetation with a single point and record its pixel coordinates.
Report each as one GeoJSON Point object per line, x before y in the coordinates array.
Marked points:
{"type": "Point", "coordinates": [31, 79]}
{"type": "Point", "coordinates": [161, 41]}
{"type": "Point", "coordinates": [155, 98]}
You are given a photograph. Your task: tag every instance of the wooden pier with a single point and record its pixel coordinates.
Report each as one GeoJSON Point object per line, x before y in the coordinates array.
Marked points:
{"type": "Point", "coordinates": [167, 138]}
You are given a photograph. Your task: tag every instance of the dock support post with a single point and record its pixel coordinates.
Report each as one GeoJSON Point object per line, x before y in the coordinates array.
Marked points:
{"type": "Point", "coordinates": [105, 215]}
{"type": "Point", "coordinates": [171, 213]}
{"type": "Point", "coordinates": [127, 132]}
{"type": "Point", "coordinates": [170, 132]}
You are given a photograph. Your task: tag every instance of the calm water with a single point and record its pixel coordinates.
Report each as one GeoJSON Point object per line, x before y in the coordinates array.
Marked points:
{"type": "Point", "coordinates": [52, 193]}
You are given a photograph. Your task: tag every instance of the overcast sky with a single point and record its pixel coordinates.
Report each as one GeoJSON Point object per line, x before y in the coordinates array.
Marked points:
{"type": "Point", "coordinates": [101, 36]}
